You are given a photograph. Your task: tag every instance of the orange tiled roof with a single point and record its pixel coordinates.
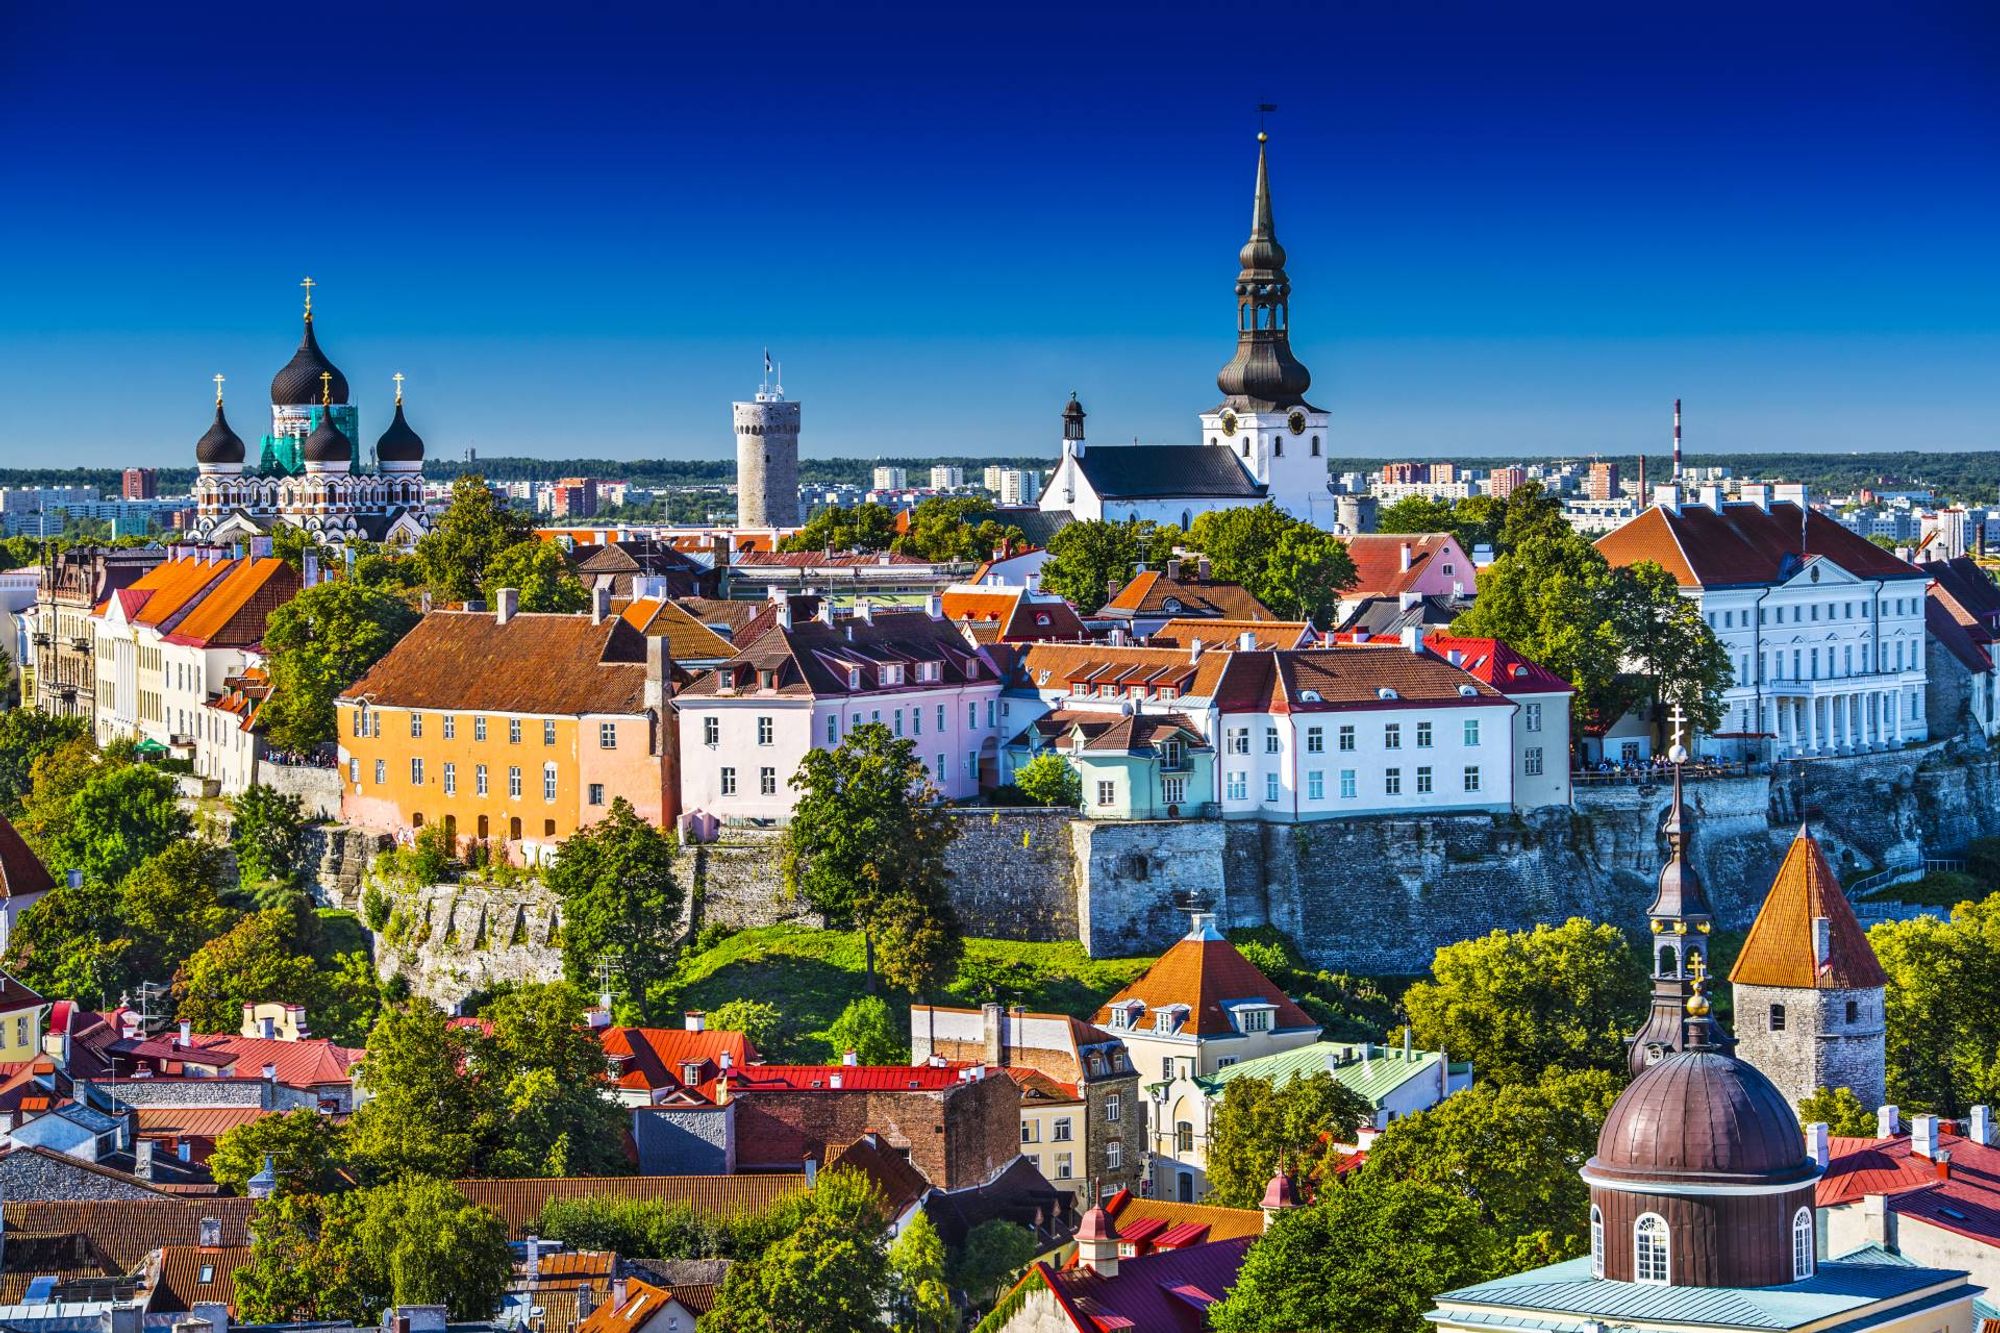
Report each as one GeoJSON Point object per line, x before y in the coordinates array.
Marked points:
{"type": "Point", "coordinates": [233, 611]}
{"type": "Point", "coordinates": [1744, 544]}
{"type": "Point", "coordinates": [1151, 592]}
{"type": "Point", "coordinates": [1780, 948]}
{"type": "Point", "coordinates": [688, 639]}
{"type": "Point", "coordinates": [183, 1268]}
{"type": "Point", "coordinates": [1124, 666]}
{"type": "Point", "coordinates": [652, 1058]}
{"type": "Point", "coordinates": [167, 587]}
{"type": "Point", "coordinates": [1378, 561]}
{"type": "Point", "coordinates": [124, 1231]}
{"type": "Point", "coordinates": [1204, 972]}
{"type": "Point", "coordinates": [1265, 634]}
{"type": "Point", "coordinates": [1222, 1223]}
{"type": "Point", "coordinates": [643, 1301]}
{"type": "Point", "coordinates": [535, 663]}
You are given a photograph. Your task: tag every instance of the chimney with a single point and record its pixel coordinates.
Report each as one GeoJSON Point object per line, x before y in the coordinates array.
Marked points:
{"type": "Point", "coordinates": [270, 1073]}
{"type": "Point", "coordinates": [993, 1020]}
{"type": "Point", "coordinates": [265, 1183]}
{"type": "Point", "coordinates": [1247, 641]}
{"type": "Point", "coordinates": [812, 1172]}
{"type": "Point", "coordinates": [727, 1061]}
{"type": "Point", "coordinates": [600, 604]}
{"type": "Point", "coordinates": [696, 1020]}
{"type": "Point", "coordinates": [1885, 1122]}
{"type": "Point", "coordinates": [1408, 598]}
{"type": "Point", "coordinates": [850, 1058]}
{"type": "Point", "coordinates": [534, 1258]}
{"type": "Point", "coordinates": [208, 1233]}
{"type": "Point", "coordinates": [1201, 568]}
{"type": "Point", "coordinates": [1981, 1132]}
{"type": "Point", "coordinates": [659, 672]}
{"type": "Point", "coordinates": [934, 607]}
{"type": "Point", "coordinates": [866, 610]}
{"type": "Point", "coordinates": [784, 613]}
{"type": "Point", "coordinates": [1413, 638]}
{"type": "Point", "coordinates": [1822, 942]}
{"type": "Point", "coordinates": [1876, 1220]}
{"type": "Point", "coordinates": [187, 1033]}
{"type": "Point", "coordinates": [1194, 651]}
{"type": "Point", "coordinates": [1097, 1243]}
{"type": "Point", "coordinates": [142, 1159]}
{"type": "Point", "coordinates": [1173, 571]}
{"type": "Point", "coordinates": [1924, 1136]}
{"type": "Point", "coordinates": [1403, 557]}
{"type": "Point", "coordinates": [1817, 1145]}
{"type": "Point", "coordinates": [834, 1080]}
{"type": "Point", "coordinates": [586, 1302]}
{"type": "Point", "coordinates": [617, 1293]}
{"type": "Point", "coordinates": [506, 601]}
{"type": "Point", "coordinates": [1943, 1160]}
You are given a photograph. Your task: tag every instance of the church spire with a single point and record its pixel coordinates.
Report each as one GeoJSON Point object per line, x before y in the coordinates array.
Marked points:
{"type": "Point", "coordinates": [1680, 921]}
{"type": "Point", "coordinates": [1263, 376]}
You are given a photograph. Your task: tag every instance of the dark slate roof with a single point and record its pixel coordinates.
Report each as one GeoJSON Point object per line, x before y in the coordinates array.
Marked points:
{"type": "Point", "coordinates": [220, 444]}
{"type": "Point", "coordinates": [328, 443]}
{"type": "Point", "coordinates": [1167, 471]}
{"type": "Point", "coordinates": [1969, 586]}
{"type": "Point", "coordinates": [299, 383]}
{"type": "Point", "coordinates": [1017, 1193]}
{"type": "Point", "coordinates": [399, 444]}
{"type": "Point", "coordinates": [1388, 615]}
{"type": "Point", "coordinates": [1037, 526]}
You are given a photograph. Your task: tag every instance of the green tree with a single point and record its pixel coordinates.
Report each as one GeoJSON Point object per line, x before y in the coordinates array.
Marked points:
{"type": "Point", "coordinates": [1259, 1124]}
{"type": "Point", "coordinates": [307, 1151]}
{"type": "Point", "coordinates": [1050, 779]}
{"type": "Point", "coordinates": [537, 570]}
{"type": "Point", "coordinates": [318, 644]}
{"type": "Point", "coordinates": [1669, 645]}
{"type": "Point", "coordinates": [306, 1263]}
{"type": "Point", "coordinates": [556, 1117]}
{"type": "Point", "coordinates": [1942, 1008]}
{"type": "Point", "coordinates": [1303, 575]}
{"type": "Point", "coordinates": [866, 846]}
{"type": "Point", "coordinates": [922, 1298]}
{"type": "Point", "coordinates": [1532, 513]}
{"type": "Point", "coordinates": [72, 943]}
{"type": "Point", "coordinates": [1513, 1152]}
{"type": "Point", "coordinates": [1090, 558]}
{"type": "Point", "coordinates": [1840, 1111]}
{"type": "Point", "coordinates": [268, 831]}
{"type": "Point", "coordinates": [348, 998]}
{"type": "Point", "coordinates": [254, 961]}
{"type": "Point", "coordinates": [867, 1028]}
{"type": "Point", "coordinates": [123, 814]}
{"type": "Point", "coordinates": [621, 903]}
{"type": "Point", "coordinates": [1366, 1258]}
{"type": "Point", "coordinates": [1556, 997]}
{"type": "Point", "coordinates": [828, 1274]}
{"type": "Point", "coordinates": [1478, 520]}
{"type": "Point", "coordinates": [866, 527]}
{"type": "Point", "coordinates": [290, 545]}
{"type": "Point", "coordinates": [55, 778]}
{"type": "Point", "coordinates": [474, 528]}
{"type": "Point", "coordinates": [1416, 513]}
{"type": "Point", "coordinates": [434, 1247]}
{"type": "Point", "coordinates": [25, 736]}
{"type": "Point", "coordinates": [759, 1021]}
{"type": "Point", "coordinates": [1239, 541]}
{"type": "Point", "coordinates": [994, 1253]}
{"type": "Point", "coordinates": [172, 905]}
{"type": "Point", "coordinates": [957, 528]}
{"type": "Point", "coordinates": [426, 1114]}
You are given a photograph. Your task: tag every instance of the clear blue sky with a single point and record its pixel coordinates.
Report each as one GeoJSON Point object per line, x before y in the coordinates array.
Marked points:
{"type": "Point", "coordinates": [1512, 227]}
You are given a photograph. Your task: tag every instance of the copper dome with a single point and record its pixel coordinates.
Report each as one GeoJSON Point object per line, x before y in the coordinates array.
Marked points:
{"type": "Point", "coordinates": [1700, 1117]}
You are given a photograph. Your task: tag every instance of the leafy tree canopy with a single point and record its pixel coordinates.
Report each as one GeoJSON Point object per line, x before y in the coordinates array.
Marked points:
{"type": "Point", "coordinates": [318, 644]}
{"type": "Point", "coordinates": [1260, 1124]}
{"type": "Point", "coordinates": [1050, 779]}
{"type": "Point", "coordinates": [759, 1021]}
{"type": "Point", "coordinates": [866, 527]}
{"type": "Point", "coordinates": [307, 1151]}
{"type": "Point", "coordinates": [829, 1274]}
{"type": "Point", "coordinates": [1840, 1111]}
{"type": "Point", "coordinates": [1942, 1008]}
{"type": "Point", "coordinates": [422, 1116]}
{"type": "Point", "coordinates": [555, 1117]}
{"type": "Point", "coordinates": [621, 904]}
{"type": "Point", "coordinates": [122, 814]}
{"type": "Point", "coordinates": [867, 1028]}
{"type": "Point", "coordinates": [25, 736]}
{"type": "Point", "coordinates": [474, 528]}
{"type": "Point", "coordinates": [1292, 567]}
{"type": "Point", "coordinates": [538, 571]}
{"type": "Point", "coordinates": [254, 961]}
{"type": "Point", "coordinates": [267, 829]}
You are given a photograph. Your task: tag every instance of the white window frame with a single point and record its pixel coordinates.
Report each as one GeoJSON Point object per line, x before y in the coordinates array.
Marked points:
{"type": "Point", "coordinates": [1803, 1245]}
{"type": "Point", "coordinates": [1652, 1263]}
{"type": "Point", "coordinates": [1596, 1241]}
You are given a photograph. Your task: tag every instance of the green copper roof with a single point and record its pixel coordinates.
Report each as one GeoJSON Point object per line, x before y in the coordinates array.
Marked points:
{"type": "Point", "coordinates": [1385, 1070]}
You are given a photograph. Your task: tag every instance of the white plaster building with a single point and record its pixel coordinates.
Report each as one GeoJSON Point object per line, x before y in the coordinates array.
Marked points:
{"type": "Point", "coordinates": [1824, 630]}
{"type": "Point", "coordinates": [804, 684]}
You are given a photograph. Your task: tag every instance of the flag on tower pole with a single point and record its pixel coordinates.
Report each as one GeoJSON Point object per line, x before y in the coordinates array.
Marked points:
{"type": "Point", "coordinates": [767, 362]}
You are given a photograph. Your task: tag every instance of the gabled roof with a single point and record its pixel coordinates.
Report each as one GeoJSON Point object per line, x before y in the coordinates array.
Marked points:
{"type": "Point", "coordinates": [1152, 593]}
{"type": "Point", "coordinates": [1264, 634]}
{"type": "Point", "coordinates": [305, 1063]}
{"type": "Point", "coordinates": [1385, 1069]}
{"type": "Point", "coordinates": [535, 663]}
{"type": "Point", "coordinates": [643, 1302]}
{"type": "Point", "coordinates": [1167, 471]}
{"type": "Point", "coordinates": [22, 873]}
{"type": "Point", "coordinates": [1780, 949]}
{"type": "Point", "coordinates": [688, 638]}
{"type": "Point", "coordinates": [155, 596]}
{"type": "Point", "coordinates": [1205, 973]}
{"type": "Point", "coordinates": [1346, 677]}
{"type": "Point", "coordinates": [1968, 590]}
{"type": "Point", "coordinates": [183, 1269]}
{"type": "Point", "coordinates": [1388, 616]}
{"type": "Point", "coordinates": [124, 1231]}
{"type": "Point", "coordinates": [232, 611]}
{"type": "Point", "coordinates": [813, 659]}
{"type": "Point", "coordinates": [1128, 1209]}
{"type": "Point", "coordinates": [1127, 668]}
{"type": "Point", "coordinates": [650, 1059]}
{"type": "Point", "coordinates": [1497, 664]}
{"type": "Point", "coordinates": [1017, 615]}
{"type": "Point", "coordinates": [1378, 561]}
{"type": "Point", "coordinates": [890, 1168]}
{"type": "Point", "coordinates": [1165, 1292]}
{"type": "Point", "coordinates": [1744, 545]}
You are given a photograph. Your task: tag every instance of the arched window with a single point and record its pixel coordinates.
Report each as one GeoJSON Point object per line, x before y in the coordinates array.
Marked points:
{"type": "Point", "coordinates": [1596, 1241]}
{"type": "Point", "coordinates": [1650, 1250]}
{"type": "Point", "coordinates": [1315, 446]}
{"type": "Point", "coordinates": [1802, 1245]}
{"type": "Point", "coordinates": [1669, 965]}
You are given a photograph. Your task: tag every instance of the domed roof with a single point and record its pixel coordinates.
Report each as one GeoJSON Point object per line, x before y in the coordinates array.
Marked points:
{"type": "Point", "coordinates": [327, 443]}
{"type": "Point", "coordinates": [399, 444]}
{"type": "Point", "coordinates": [1072, 410]}
{"type": "Point", "coordinates": [1701, 1117]}
{"type": "Point", "coordinates": [299, 383]}
{"type": "Point", "coordinates": [220, 444]}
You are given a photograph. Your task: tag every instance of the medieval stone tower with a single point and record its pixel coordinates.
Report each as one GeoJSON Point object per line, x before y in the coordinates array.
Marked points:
{"type": "Point", "coordinates": [767, 457]}
{"type": "Point", "coordinates": [1809, 987]}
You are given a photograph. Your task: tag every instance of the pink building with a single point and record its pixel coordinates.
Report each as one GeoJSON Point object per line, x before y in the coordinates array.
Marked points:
{"type": "Point", "coordinates": [1426, 564]}
{"type": "Point", "coordinates": [746, 725]}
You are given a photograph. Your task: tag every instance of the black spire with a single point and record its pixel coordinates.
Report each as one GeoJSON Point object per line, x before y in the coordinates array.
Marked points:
{"type": "Point", "coordinates": [399, 444]}
{"type": "Point", "coordinates": [328, 443]}
{"type": "Point", "coordinates": [1264, 376]}
{"type": "Point", "coordinates": [1073, 419]}
{"type": "Point", "coordinates": [299, 383]}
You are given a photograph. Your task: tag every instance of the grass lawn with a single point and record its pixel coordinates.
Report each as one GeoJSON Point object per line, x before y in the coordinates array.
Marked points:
{"type": "Point", "coordinates": [811, 975]}
{"type": "Point", "coordinates": [341, 932]}
{"type": "Point", "coordinates": [1944, 888]}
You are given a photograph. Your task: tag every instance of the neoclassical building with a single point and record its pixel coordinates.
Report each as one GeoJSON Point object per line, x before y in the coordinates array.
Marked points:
{"type": "Point", "coordinates": [307, 474]}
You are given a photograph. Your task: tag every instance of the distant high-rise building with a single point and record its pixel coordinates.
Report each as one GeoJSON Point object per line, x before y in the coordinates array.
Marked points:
{"type": "Point", "coordinates": [1602, 483]}
{"type": "Point", "coordinates": [1404, 473]}
{"type": "Point", "coordinates": [892, 479]}
{"type": "Point", "coordinates": [1443, 474]}
{"type": "Point", "coordinates": [990, 479]}
{"type": "Point", "coordinates": [573, 497]}
{"type": "Point", "coordinates": [767, 456]}
{"type": "Point", "coordinates": [141, 483]}
{"type": "Point", "coordinates": [1504, 481]}
{"type": "Point", "coordinates": [1019, 486]}
{"type": "Point", "coordinates": [947, 478]}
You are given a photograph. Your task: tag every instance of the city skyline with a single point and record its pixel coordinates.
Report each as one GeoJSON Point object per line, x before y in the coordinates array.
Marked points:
{"type": "Point", "coordinates": [578, 242]}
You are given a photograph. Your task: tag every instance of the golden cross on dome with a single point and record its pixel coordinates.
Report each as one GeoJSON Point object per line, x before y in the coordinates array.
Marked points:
{"type": "Point", "coordinates": [1698, 970]}
{"type": "Point", "coordinates": [218, 391]}
{"type": "Point", "coordinates": [326, 388]}
{"type": "Point", "coordinates": [309, 284]}
{"type": "Point", "coordinates": [398, 377]}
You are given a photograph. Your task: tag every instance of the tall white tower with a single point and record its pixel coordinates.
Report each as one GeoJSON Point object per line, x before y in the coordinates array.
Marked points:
{"type": "Point", "coordinates": [767, 456]}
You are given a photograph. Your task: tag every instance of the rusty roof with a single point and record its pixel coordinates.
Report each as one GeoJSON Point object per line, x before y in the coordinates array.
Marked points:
{"type": "Point", "coordinates": [1048, 665]}
{"type": "Point", "coordinates": [189, 1273]}
{"type": "Point", "coordinates": [813, 659]}
{"type": "Point", "coordinates": [1780, 949]}
{"type": "Point", "coordinates": [540, 664]}
{"type": "Point", "coordinates": [644, 1302]}
{"type": "Point", "coordinates": [155, 596]}
{"type": "Point", "coordinates": [1153, 593]}
{"type": "Point", "coordinates": [901, 1183]}
{"type": "Point", "coordinates": [653, 1058]}
{"type": "Point", "coordinates": [1350, 676]}
{"type": "Point", "coordinates": [520, 1201]}
{"type": "Point", "coordinates": [1745, 544]}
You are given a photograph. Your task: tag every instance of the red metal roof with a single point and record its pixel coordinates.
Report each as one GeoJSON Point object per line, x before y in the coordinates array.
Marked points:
{"type": "Point", "coordinates": [1497, 664]}
{"type": "Point", "coordinates": [875, 1078]}
{"type": "Point", "coordinates": [1166, 1292]}
{"type": "Point", "coordinates": [652, 1058]}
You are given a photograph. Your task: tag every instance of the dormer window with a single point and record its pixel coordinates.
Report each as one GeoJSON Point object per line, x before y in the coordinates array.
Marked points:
{"type": "Point", "coordinates": [1255, 1018]}
{"type": "Point", "coordinates": [854, 678]}
{"type": "Point", "coordinates": [1042, 619]}
{"type": "Point", "coordinates": [1172, 606]}
{"type": "Point", "coordinates": [892, 673]}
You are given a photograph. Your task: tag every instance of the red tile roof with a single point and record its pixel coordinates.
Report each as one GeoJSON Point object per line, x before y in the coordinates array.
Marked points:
{"type": "Point", "coordinates": [1968, 1202]}
{"type": "Point", "coordinates": [1045, 666]}
{"type": "Point", "coordinates": [1945, 621]}
{"type": "Point", "coordinates": [182, 1269]}
{"type": "Point", "coordinates": [819, 1078]}
{"type": "Point", "coordinates": [1744, 544]}
{"type": "Point", "coordinates": [889, 1167]}
{"type": "Point", "coordinates": [1780, 949]}
{"type": "Point", "coordinates": [308, 1062]}
{"type": "Point", "coordinates": [21, 871]}
{"type": "Point", "coordinates": [1348, 677]}
{"type": "Point", "coordinates": [652, 1058]}
{"type": "Point", "coordinates": [537, 664]}
{"type": "Point", "coordinates": [1220, 1223]}
{"type": "Point", "coordinates": [1378, 561]}
{"type": "Point", "coordinates": [1497, 664]}
{"type": "Point", "coordinates": [1017, 615]}
{"type": "Point", "coordinates": [1203, 972]}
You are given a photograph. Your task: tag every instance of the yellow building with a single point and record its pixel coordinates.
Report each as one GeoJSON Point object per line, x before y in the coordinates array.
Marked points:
{"type": "Point", "coordinates": [20, 1021]}
{"type": "Point", "coordinates": [512, 728]}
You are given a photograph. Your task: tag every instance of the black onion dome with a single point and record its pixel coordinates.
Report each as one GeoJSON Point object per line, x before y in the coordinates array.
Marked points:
{"type": "Point", "coordinates": [299, 383]}
{"type": "Point", "coordinates": [220, 444]}
{"type": "Point", "coordinates": [1701, 1117]}
{"type": "Point", "coordinates": [327, 443]}
{"type": "Point", "coordinates": [399, 444]}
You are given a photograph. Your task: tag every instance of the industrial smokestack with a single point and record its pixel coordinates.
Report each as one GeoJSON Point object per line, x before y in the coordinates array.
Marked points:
{"type": "Point", "coordinates": [1677, 441]}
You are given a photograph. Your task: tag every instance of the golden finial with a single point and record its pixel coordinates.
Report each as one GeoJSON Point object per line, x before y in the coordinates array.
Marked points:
{"type": "Point", "coordinates": [309, 284]}
{"type": "Point", "coordinates": [1697, 1004]}
{"type": "Point", "coordinates": [326, 388]}
{"type": "Point", "coordinates": [218, 391]}
{"type": "Point", "coordinates": [1262, 137]}
{"type": "Point", "coordinates": [398, 377]}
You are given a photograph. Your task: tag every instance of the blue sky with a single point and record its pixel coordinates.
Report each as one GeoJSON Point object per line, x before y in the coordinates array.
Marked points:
{"type": "Point", "coordinates": [574, 228]}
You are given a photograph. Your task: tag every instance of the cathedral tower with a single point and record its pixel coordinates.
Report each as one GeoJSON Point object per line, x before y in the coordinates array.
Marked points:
{"type": "Point", "coordinates": [767, 456]}
{"type": "Point", "coordinates": [1264, 417]}
{"type": "Point", "coordinates": [1680, 921]}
